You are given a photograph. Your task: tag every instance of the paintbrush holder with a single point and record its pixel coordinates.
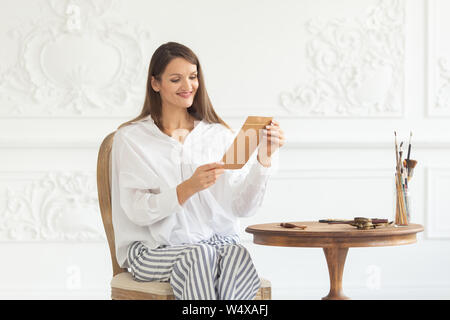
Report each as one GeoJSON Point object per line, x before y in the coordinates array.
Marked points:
{"type": "Point", "coordinates": [407, 206]}
{"type": "Point", "coordinates": [402, 208]}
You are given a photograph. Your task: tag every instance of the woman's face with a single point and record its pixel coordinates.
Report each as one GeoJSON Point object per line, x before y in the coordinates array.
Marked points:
{"type": "Point", "coordinates": [178, 84]}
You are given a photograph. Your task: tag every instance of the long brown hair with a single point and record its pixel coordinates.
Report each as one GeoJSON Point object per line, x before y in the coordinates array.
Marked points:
{"type": "Point", "coordinates": [201, 108]}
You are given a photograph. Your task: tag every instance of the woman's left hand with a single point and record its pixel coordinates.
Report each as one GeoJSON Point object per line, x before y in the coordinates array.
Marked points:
{"type": "Point", "coordinates": [272, 140]}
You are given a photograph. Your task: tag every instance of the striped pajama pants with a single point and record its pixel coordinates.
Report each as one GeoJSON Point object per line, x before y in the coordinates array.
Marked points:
{"type": "Point", "coordinates": [217, 268]}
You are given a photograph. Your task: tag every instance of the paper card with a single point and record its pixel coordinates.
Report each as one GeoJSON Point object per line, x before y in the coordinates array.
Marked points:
{"type": "Point", "coordinates": [246, 142]}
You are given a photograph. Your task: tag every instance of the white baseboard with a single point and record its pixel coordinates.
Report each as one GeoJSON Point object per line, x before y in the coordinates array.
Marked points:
{"type": "Point", "coordinates": [363, 293]}
{"type": "Point", "coordinates": [280, 293]}
{"type": "Point", "coordinates": [54, 295]}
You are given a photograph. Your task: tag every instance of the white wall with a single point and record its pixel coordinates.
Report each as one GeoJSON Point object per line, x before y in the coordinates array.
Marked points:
{"type": "Point", "coordinates": [340, 76]}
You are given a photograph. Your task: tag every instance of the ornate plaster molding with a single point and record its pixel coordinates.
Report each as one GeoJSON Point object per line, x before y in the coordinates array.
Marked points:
{"type": "Point", "coordinates": [78, 59]}
{"type": "Point", "coordinates": [356, 66]}
{"type": "Point", "coordinates": [51, 207]}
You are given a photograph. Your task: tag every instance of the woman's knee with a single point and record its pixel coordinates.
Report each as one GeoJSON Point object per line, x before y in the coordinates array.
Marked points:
{"type": "Point", "coordinates": [204, 251]}
{"type": "Point", "coordinates": [238, 250]}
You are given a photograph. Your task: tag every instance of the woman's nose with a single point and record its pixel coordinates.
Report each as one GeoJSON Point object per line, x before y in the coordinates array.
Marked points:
{"type": "Point", "coordinates": [186, 85]}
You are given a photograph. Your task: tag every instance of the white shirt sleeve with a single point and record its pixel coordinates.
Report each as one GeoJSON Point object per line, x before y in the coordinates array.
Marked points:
{"type": "Point", "coordinates": [248, 187]}
{"type": "Point", "coordinates": [144, 198]}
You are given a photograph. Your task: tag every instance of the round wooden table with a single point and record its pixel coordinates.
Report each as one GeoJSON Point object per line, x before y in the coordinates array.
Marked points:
{"type": "Point", "coordinates": [335, 239]}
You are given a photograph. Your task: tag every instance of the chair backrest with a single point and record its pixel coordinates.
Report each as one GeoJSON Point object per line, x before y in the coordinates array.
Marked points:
{"type": "Point", "coordinates": [104, 196]}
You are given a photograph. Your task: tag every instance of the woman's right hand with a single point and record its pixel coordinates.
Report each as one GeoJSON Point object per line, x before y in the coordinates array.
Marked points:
{"type": "Point", "coordinates": [206, 175]}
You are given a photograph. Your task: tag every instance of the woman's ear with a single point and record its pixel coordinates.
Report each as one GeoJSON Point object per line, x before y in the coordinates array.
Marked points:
{"type": "Point", "coordinates": [154, 83]}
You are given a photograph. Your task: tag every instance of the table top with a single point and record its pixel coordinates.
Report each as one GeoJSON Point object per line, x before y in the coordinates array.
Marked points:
{"type": "Point", "coordinates": [331, 235]}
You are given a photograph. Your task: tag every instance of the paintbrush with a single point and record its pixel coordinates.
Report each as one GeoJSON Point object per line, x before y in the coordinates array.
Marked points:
{"type": "Point", "coordinates": [401, 163]}
{"type": "Point", "coordinates": [409, 147]}
{"type": "Point", "coordinates": [409, 154]}
{"type": "Point", "coordinates": [401, 151]}
{"type": "Point", "coordinates": [396, 149]}
{"type": "Point", "coordinates": [399, 158]}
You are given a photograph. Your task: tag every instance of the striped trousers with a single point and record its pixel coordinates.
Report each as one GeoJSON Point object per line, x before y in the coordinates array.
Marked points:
{"type": "Point", "coordinates": [217, 268]}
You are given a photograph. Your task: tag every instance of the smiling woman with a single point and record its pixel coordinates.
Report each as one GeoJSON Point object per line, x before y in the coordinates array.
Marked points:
{"type": "Point", "coordinates": [165, 229]}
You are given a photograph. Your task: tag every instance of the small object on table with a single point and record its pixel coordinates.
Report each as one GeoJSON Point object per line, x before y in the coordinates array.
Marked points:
{"type": "Point", "coordinates": [363, 224]}
{"type": "Point", "coordinates": [359, 222]}
{"type": "Point", "coordinates": [334, 221]}
{"type": "Point", "coordinates": [292, 225]}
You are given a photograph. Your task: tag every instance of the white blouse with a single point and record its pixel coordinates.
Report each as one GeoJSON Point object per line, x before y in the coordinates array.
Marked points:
{"type": "Point", "coordinates": [147, 167]}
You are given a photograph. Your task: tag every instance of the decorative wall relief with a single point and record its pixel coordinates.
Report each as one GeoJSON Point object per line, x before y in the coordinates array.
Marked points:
{"type": "Point", "coordinates": [356, 66]}
{"type": "Point", "coordinates": [51, 207]}
{"type": "Point", "coordinates": [443, 90]}
{"type": "Point", "coordinates": [78, 59]}
{"type": "Point", "coordinates": [438, 59]}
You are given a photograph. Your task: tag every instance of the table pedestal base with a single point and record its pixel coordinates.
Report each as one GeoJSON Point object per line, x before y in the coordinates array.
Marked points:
{"type": "Point", "coordinates": [336, 260]}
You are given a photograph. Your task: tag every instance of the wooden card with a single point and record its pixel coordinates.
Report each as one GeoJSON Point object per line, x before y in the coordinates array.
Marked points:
{"type": "Point", "coordinates": [246, 142]}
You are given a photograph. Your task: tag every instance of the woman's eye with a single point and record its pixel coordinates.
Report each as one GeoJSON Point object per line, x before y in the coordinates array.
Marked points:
{"type": "Point", "coordinates": [192, 78]}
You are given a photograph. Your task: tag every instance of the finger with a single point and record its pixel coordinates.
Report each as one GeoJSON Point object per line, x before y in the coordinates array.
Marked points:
{"type": "Point", "coordinates": [214, 165]}
{"type": "Point", "coordinates": [216, 173]}
{"type": "Point", "coordinates": [209, 166]}
{"type": "Point", "coordinates": [212, 179]}
{"type": "Point", "coordinates": [276, 141]}
{"type": "Point", "coordinates": [275, 122]}
{"type": "Point", "coordinates": [209, 179]}
{"type": "Point", "coordinates": [273, 140]}
{"type": "Point", "coordinates": [279, 136]}
{"type": "Point", "coordinates": [272, 128]}
{"type": "Point", "coordinates": [220, 165]}
{"type": "Point", "coordinates": [275, 133]}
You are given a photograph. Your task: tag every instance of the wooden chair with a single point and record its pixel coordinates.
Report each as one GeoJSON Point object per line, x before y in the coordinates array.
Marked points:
{"type": "Point", "coordinates": [123, 287]}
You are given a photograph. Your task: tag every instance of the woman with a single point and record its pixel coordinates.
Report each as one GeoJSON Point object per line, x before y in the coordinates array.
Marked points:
{"type": "Point", "coordinates": [175, 208]}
